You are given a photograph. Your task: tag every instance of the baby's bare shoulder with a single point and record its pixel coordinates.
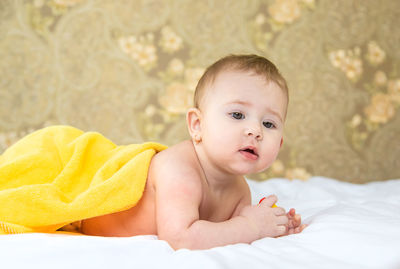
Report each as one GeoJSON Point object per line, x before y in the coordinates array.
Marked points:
{"type": "Point", "coordinates": [176, 160]}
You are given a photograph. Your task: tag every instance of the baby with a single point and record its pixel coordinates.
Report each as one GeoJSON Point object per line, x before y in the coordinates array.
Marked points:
{"type": "Point", "coordinates": [196, 195]}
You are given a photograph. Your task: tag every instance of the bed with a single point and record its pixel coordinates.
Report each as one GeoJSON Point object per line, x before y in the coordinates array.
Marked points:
{"type": "Point", "coordinates": [350, 226]}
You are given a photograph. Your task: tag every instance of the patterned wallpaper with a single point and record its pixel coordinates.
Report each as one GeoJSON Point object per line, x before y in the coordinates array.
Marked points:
{"type": "Point", "coordinates": [128, 68]}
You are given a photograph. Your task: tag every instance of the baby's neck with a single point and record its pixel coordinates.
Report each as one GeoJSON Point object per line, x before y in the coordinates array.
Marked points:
{"type": "Point", "coordinates": [215, 177]}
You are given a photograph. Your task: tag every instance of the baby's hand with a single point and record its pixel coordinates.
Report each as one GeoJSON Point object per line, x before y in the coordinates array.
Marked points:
{"type": "Point", "coordinates": [265, 220]}
{"type": "Point", "coordinates": [294, 224]}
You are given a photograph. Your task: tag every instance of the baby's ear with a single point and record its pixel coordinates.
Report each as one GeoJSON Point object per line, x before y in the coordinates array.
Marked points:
{"type": "Point", "coordinates": [193, 120]}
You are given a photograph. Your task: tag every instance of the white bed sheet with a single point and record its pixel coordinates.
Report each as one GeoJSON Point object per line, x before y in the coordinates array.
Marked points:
{"type": "Point", "coordinates": [350, 226]}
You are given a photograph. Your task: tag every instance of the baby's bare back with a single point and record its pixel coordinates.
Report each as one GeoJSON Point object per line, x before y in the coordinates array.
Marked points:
{"type": "Point", "coordinates": [140, 219]}
{"type": "Point", "coordinates": [181, 161]}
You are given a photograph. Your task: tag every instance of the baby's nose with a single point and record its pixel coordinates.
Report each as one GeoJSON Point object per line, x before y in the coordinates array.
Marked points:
{"type": "Point", "coordinates": [255, 132]}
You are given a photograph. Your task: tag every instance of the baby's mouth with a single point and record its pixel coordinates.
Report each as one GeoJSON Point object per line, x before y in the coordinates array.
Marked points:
{"type": "Point", "coordinates": [250, 153]}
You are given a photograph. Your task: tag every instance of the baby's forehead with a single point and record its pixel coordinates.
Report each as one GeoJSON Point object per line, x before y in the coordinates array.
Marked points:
{"type": "Point", "coordinates": [238, 87]}
{"type": "Point", "coordinates": [235, 80]}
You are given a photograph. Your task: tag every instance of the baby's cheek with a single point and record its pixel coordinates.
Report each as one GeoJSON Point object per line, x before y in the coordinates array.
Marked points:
{"type": "Point", "coordinates": [270, 155]}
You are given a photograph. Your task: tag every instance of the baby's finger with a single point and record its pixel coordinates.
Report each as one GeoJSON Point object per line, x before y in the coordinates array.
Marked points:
{"type": "Point", "coordinates": [282, 220]}
{"type": "Point", "coordinates": [299, 229]}
{"type": "Point", "coordinates": [297, 219]}
{"type": "Point", "coordinates": [279, 211]}
{"type": "Point", "coordinates": [269, 201]}
{"type": "Point", "coordinates": [281, 230]}
{"type": "Point", "coordinates": [291, 231]}
{"type": "Point", "coordinates": [294, 222]}
{"type": "Point", "coordinates": [292, 212]}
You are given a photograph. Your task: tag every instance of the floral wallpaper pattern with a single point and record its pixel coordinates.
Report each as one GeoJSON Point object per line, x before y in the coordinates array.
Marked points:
{"type": "Point", "coordinates": [128, 69]}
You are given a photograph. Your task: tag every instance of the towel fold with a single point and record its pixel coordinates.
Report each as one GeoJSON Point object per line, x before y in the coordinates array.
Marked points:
{"type": "Point", "coordinates": [59, 174]}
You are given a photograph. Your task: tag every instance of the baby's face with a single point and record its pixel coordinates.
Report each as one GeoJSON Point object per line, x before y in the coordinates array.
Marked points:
{"type": "Point", "coordinates": [243, 120]}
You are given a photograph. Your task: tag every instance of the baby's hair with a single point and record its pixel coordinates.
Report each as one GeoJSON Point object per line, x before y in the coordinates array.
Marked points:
{"type": "Point", "coordinates": [245, 62]}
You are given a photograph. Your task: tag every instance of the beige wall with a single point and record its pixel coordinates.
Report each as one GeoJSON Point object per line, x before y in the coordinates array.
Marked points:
{"type": "Point", "coordinates": [128, 69]}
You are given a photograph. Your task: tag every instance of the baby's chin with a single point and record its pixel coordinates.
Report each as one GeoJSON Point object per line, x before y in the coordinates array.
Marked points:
{"type": "Point", "coordinates": [243, 171]}
{"type": "Point", "coordinates": [242, 167]}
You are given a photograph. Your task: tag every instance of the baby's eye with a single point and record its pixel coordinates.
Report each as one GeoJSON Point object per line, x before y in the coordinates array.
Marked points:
{"type": "Point", "coordinates": [237, 115]}
{"type": "Point", "coordinates": [268, 124]}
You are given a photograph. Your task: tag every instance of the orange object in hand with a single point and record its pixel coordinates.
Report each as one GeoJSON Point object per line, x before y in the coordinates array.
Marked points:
{"type": "Point", "coordinates": [262, 199]}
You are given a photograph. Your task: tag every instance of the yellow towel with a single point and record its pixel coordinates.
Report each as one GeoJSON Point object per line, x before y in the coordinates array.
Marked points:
{"type": "Point", "coordinates": [59, 175]}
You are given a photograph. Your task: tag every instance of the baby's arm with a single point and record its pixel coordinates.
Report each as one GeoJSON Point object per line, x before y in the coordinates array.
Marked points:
{"type": "Point", "coordinates": [178, 200]}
